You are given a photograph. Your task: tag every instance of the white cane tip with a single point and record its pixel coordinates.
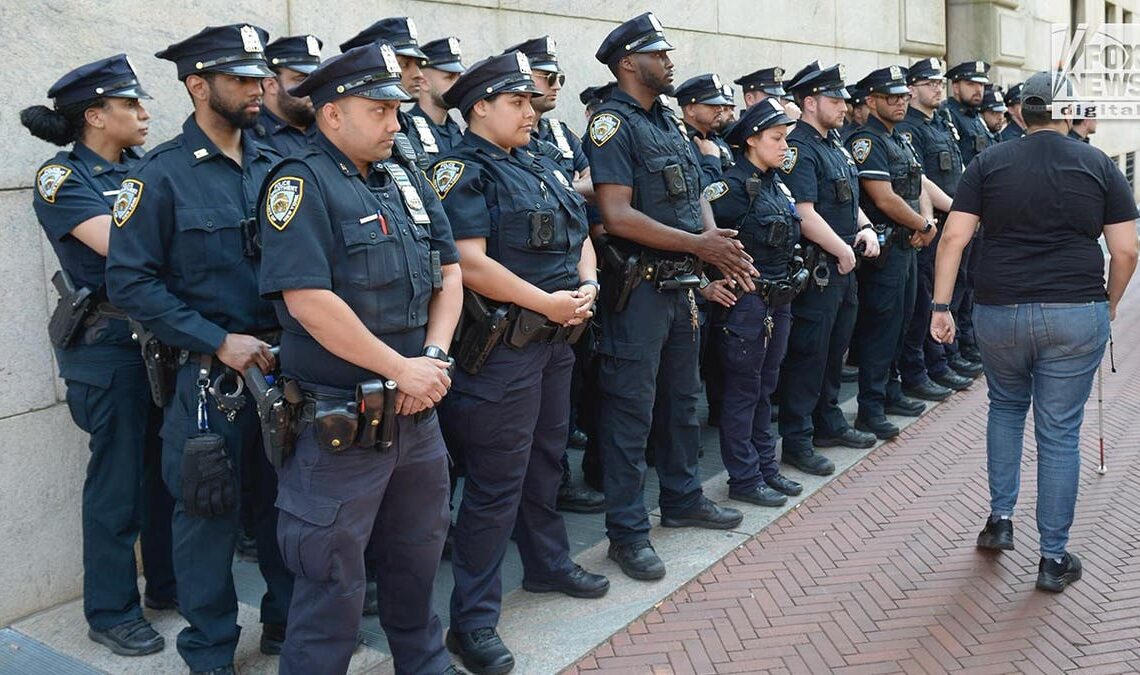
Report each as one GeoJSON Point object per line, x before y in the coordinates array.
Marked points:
{"type": "Point", "coordinates": [1102, 469]}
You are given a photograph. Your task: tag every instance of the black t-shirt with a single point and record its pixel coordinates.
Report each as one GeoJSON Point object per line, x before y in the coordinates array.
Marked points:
{"type": "Point", "coordinates": [1043, 200]}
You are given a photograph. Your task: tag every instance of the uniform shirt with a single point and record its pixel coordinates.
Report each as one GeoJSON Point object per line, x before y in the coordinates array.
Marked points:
{"type": "Point", "coordinates": [821, 171]}
{"type": "Point", "coordinates": [178, 258]}
{"type": "Point", "coordinates": [286, 139]}
{"type": "Point", "coordinates": [885, 155]}
{"type": "Point", "coordinates": [973, 136]}
{"type": "Point", "coordinates": [408, 128]}
{"type": "Point", "coordinates": [761, 208]}
{"type": "Point", "coordinates": [934, 141]}
{"type": "Point", "coordinates": [712, 167]}
{"type": "Point", "coordinates": [1077, 137]}
{"type": "Point", "coordinates": [847, 129]}
{"type": "Point", "coordinates": [1043, 202]}
{"type": "Point", "coordinates": [570, 155]}
{"type": "Point", "coordinates": [325, 226]}
{"type": "Point", "coordinates": [1012, 131]}
{"type": "Point", "coordinates": [497, 196]}
{"type": "Point", "coordinates": [645, 150]}
{"type": "Point", "coordinates": [443, 136]}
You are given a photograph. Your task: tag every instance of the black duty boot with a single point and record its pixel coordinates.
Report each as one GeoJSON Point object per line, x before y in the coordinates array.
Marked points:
{"type": "Point", "coordinates": [952, 380]}
{"type": "Point", "coordinates": [878, 425]}
{"type": "Point", "coordinates": [482, 651]}
{"type": "Point", "coordinates": [577, 584]}
{"type": "Point", "coordinates": [130, 638]}
{"type": "Point", "coordinates": [272, 638]}
{"type": "Point", "coordinates": [705, 514]}
{"type": "Point", "coordinates": [808, 461]}
{"type": "Point", "coordinates": [637, 560]}
{"type": "Point", "coordinates": [849, 438]}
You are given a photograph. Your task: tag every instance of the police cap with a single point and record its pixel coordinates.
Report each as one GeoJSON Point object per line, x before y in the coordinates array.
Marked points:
{"type": "Point", "coordinates": [826, 82]}
{"type": "Point", "coordinates": [398, 31]}
{"type": "Point", "coordinates": [889, 80]}
{"type": "Point", "coordinates": [974, 71]}
{"type": "Point", "coordinates": [541, 52]}
{"type": "Point", "coordinates": [705, 88]}
{"type": "Point", "coordinates": [112, 76]}
{"type": "Point", "coordinates": [762, 115]}
{"type": "Point", "coordinates": [237, 49]}
{"type": "Point", "coordinates": [768, 80]}
{"type": "Point", "coordinates": [444, 54]}
{"type": "Point", "coordinates": [641, 34]}
{"type": "Point", "coordinates": [926, 69]}
{"type": "Point", "coordinates": [505, 73]}
{"type": "Point", "coordinates": [369, 71]}
{"type": "Point", "coordinates": [301, 53]}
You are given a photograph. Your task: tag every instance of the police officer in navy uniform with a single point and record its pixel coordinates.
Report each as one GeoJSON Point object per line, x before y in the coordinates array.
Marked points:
{"type": "Point", "coordinates": [923, 365]}
{"type": "Point", "coordinates": [183, 261]}
{"type": "Point", "coordinates": [286, 122]}
{"type": "Point", "coordinates": [97, 110]}
{"type": "Point", "coordinates": [1015, 124]}
{"type": "Point", "coordinates": [593, 96]}
{"type": "Point", "coordinates": [647, 186]}
{"type": "Point", "coordinates": [400, 33]}
{"type": "Point", "coordinates": [431, 117]}
{"type": "Point", "coordinates": [857, 112]}
{"type": "Point", "coordinates": [752, 333]}
{"type": "Point", "coordinates": [702, 104]}
{"type": "Point", "coordinates": [524, 242]}
{"type": "Point", "coordinates": [350, 226]}
{"type": "Point", "coordinates": [890, 182]}
{"type": "Point", "coordinates": [967, 87]}
{"type": "Point", "coordinates": [823, 181]}
{"type": "Point", "coordinates": [993, 112]}
{"type": "Point", "coordinates": [761, 84]}
{"type": "Point", "coordinates": [728, 110]}
{"type": "Point", "coordinates": [1082, 129]}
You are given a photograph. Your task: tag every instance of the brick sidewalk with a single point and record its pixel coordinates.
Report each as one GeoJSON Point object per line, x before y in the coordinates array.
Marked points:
{"type": "Point", "coordinates": [877, 572]}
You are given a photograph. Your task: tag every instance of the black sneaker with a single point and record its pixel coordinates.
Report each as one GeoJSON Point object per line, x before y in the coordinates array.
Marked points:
{"type": "Point", "coordinates": [130, 638]}
{"type": "Point", "coordinates": [997, 535]}
{"type": "Point", "coordinates": [705, 514]}
{"type": "Point", "coordinates": [482, 651]}
{"type": "Point", "coordinates": [272, 638]}
{"type": "Point", "coordinates": [848, 438]}
{"type": "Point", "coordinates": [1053, 576]}
{"type": "Point", "coordinates": [761, 495]}
{"type": "Point", "coordinates": [637, 560]}
{"type": "Point", "coordinates": [577, 583]}
{"type": "Point", "coordinates": [809, 462]}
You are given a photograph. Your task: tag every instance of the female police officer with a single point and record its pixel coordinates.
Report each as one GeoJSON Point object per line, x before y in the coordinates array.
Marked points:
{"type": "Point", "coordinates": [522, 236]}
{"type": "Point", "coordinates": [753, 332]}
{"type": "Point", "coordinates": [97, 109]}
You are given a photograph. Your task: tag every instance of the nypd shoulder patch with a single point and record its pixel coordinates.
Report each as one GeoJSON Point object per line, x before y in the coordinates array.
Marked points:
{"type": "Point", "coordinates": [715, 191]}
{"type": "Point", "coordinates": [127, 201]}
{"type": "Point", "coordinates": [603, 127]}
{"type": "Point", "coordinates": [282, 200]}
{"type": "Point", "coordinates": [446, 175]}
{"type": "Point", "coordinates": [49, 179]}
{"type": "Point", "coordinates": [861, 149]}
{"type": "Point", "coordinates": [790, 158]}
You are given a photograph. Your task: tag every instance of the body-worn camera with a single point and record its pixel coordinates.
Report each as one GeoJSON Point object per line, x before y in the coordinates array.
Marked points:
{"type": "Point", "coordinates": [674, 180]}
{"type": "Point", "coordinates": [843, 192]}
{"type": "Point", "coordinates": [541, 230]}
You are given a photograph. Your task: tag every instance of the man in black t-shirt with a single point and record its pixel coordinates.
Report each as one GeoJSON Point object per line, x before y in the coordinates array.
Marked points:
{"type": "Point", "coordinates": [1042, 310]}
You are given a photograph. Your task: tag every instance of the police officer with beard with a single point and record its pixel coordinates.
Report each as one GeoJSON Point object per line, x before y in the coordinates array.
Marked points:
{"type": "Point", "coordinates": [436, 130]}
{"type": "Point", "coordinates": [286, 122]}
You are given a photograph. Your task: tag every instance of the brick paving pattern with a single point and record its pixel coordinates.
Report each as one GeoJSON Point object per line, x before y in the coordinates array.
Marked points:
{"type": "Point", "coordinates": [877, 572]}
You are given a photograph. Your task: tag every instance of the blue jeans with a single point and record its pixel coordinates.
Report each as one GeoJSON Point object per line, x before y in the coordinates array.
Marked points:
{"type": "Point", "coordinates": [1047, 354]}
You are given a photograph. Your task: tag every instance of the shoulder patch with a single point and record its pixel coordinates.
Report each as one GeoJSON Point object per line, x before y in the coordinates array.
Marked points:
{"type": "Point", "coordinates": [603, 127]}
{"type": "Point", "coordinates": [49, 179]}
{"type": "Point", "coordinates": [127, 201]}
{"type": "Point", "coordinates": [715, 191]}
{"type": "Point", "coordinates": [446, 175]}
{"type": "Point", "coordinates": [790, 159]}
{"type": "Point", "coordinates": [860, 149]}
{"type": "Point", "coordinates": [282, 200]}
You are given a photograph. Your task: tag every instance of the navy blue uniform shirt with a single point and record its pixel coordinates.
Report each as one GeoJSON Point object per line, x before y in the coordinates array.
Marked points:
{"type": "Point", "coordinates": [443, 137]}
{"type": "Point", "coordinates": [821, 171]}
{"type": "Point", "coordinates": [325, 226]}
{"type": "Point", "coordinates": [883, 155]}
{"type": "Point", "coordinates": [280, 135]}
{"type": "Point", "coordinates": [761, 208]}
{"type": "Point", "coordinates": [492, 194]}
{"type": "Point", "coordinates": [178, 260]}
{"type": "Point", "coordinates": [936, 144]}
{"type": "Point", "coordinates": [571, 157]}
{"type": "Point", "coordinates": [973, 136]}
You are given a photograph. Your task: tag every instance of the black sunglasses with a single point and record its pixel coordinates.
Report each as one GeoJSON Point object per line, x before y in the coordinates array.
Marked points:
{"type": "Point", "coordinates": [559, 78]}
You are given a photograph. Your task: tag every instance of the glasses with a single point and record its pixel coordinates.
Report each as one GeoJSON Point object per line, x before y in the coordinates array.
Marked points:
{"type": "Point", "coordinates": [556, 78]}
{"type": "Point", "coordinates": [933, 84]}
{"type": "Point", "coordinates": [893, 99]}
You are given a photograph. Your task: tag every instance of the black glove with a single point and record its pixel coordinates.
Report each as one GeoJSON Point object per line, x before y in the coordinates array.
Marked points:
{"type": "Point", "coordinates": [208, 482]}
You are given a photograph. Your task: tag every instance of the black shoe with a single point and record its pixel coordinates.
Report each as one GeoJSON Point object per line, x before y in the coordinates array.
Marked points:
{"type": "Point", "coordinates": [904, 407]}
{"type": "Point", "coordinates": [849, 374]}
{"type": "Point", "coordinates": [965, 367]}
{"type": "Point", "coordinates": [761, 495]}
{"type": "Point", "coordinates": [970, 352]}
{"type": "Point", "coordinates": [880, 426]}
{"type": "Point", "coordinates": [577, 584]}
{"type": "Point", "coordinates": [997, 535]}
{"type": "Point", "coordinates": [577, 438]}
{"type": "Point", "coordinates": [246, 547]}
{"type": "Point", "coordinates": [849, 438]}
{"type": "Point", "coordinates": [809, 461]}
{"type": "Point", "coordinates": [160, 604]}
{"type": "Point", "coordinates": [272, 638]}
{"type": "Point", "coordinates": [482, 651]}
{"type": "Point", "coordinates": [580, 499]}
{"type": "Point", "coordinates": [223, 670]}
{"type": "Point", "coordinates": [637, 560]}
{"type": "Point", "coordinates": [1053, 576]}
{"type": "Point", "coordinates": [130, 638]}
{"type": "Point", "coordinates": [952, 380]}
{"type": "Point", "coordinates": [371, 599]}
{"type": "Point", "coordinates": [783, 484]}
{"type": "Point", "coordinates": [927, 391]}
{"type": "Point", "coordinates": [705, 514]}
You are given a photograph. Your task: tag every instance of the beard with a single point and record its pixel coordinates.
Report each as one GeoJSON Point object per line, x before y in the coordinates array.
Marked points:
{"type": "Point", "coordinates": [236, 116]}
{"type": "Point", "coordinates": [297, 111]}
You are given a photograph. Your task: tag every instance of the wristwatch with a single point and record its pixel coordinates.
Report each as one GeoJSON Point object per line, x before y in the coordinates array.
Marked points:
{"type": "Point", "coordinates": [939, 307]}
{"type": "Point", "coordinates": [929, 226]}
{"type": "Point", "coordinates": [436, 352]}
{"type": "Point", "coordinates": [591, 282]}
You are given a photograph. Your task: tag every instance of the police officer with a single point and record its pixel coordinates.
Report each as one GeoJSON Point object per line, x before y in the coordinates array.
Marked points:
{"type": "Point", "coordinates": [702, 104]}
{"type": "Point", "coordinates": [286, 122]}
{"type": "Point", "coordinates": [97, 110]}
{"type": "Point", "coordinates": [923, 366]}
{"type": "Point", "coordinates": [761, 84]}
{"type": "Point", "coordinates": [967, 87]}
{"type": "Point", "coordinates": [400, 33]}
{"type": "Point", "coordinates": [728, 110]}
{"type": "Point", "coordinates": [753, 332]}
{"type": "Point", "coordinates": [1015, 124]}
{"type": "Point", "coordinates": [857, 112]}
{"type": "Point", "coordinates": [431, 119]}
{"type": "Point", "coordinates": [823, 181]}
{"type": "Point", "coordinates": [647, 183]}
{"type": "Point", "coordinates": [593, 96]}
{"type": "Point", "coordinates": [351, 226]}
{"type": "Point", "coordinates": [890, 182]}
{"type": "Point", "coordinates": [523, 239]}
{"type": "Point", "coordinates": [183, 262]}
{"type": "Point", "coordinates": [993, 112]}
